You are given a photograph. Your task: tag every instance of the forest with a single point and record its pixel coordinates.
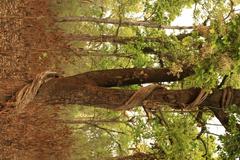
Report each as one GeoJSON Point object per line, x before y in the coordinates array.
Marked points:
{"type": "Point", "coordinates": [119, 79]}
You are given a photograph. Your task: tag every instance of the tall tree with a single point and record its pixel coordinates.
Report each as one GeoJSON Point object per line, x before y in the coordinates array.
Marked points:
{"type": "Point", "coordinates": [193, 77]}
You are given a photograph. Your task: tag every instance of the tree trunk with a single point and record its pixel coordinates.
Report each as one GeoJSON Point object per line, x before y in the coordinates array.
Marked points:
{"type": "Point", "coordinates": [126, 22]}
{"type": "Point", "coordinates": [115, 39]}
{"type": "Point", "coordinates": [136, 156]}
{"type": "Point", "coordinates": [92, 88]}
{"type": "Point", "coordinates": [108, 38]}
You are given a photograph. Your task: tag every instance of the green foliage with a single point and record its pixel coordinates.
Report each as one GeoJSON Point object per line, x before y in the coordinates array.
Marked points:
{"type": "Point", "coordinates": [177, 140]}
{"type": "Point", "coordinates": [214, 51]}
{"type": "Point", "coordinates": [95, 139]}
{"type": "Point", "coordinates": [164, 11]}
{"type": "Point", "coordinates": [231, 147]}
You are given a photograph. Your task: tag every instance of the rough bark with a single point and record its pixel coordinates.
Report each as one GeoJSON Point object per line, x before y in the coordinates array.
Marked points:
{"type": "Point", "coordinates": [121, 77]}
{"type": "Point", "coordinates": [125, 22]}
{"type": "Point", "coordinates": [93, 88]}
{"type": "Point", "coordinates": [58, 92]}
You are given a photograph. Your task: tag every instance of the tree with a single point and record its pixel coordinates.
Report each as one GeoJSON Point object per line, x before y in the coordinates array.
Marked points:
{"type": "Point", "coordinates": [88, 89]}
{"type": "Point", "coordinates": [191, 74]}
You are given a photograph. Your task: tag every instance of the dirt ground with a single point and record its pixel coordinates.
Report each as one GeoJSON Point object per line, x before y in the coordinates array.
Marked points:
{"type": "Point", "coordinates": [29, 44]}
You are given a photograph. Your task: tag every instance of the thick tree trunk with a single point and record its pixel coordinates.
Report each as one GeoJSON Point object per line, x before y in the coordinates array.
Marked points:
{"type": "Point", "coordinates": [125, 22]}
{"type": "Point", "coordinates": [92, 88]}
{"type": "Point", "coordinates": [60, 92]}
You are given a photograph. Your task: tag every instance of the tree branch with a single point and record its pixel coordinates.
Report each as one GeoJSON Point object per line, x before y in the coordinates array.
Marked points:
{"type": "Point", "coordinates": [124, 22]}
{"type": "Point", "coordinates": [114, 39]}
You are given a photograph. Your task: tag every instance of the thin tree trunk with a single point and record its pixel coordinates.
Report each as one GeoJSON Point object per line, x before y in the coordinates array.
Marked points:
{"type": "Point", "coordinates": [136, 156]}
{"type": "Point", "coordinates": [91, 121]}
{"type": "Point", "coordinates": [126, 22]}
{"type": "Point", "coordinates": [115, 39]}
{"type": "Point", "coordinates": [96, 53]}
{"type": "Point", "coordinates": [108, 38]}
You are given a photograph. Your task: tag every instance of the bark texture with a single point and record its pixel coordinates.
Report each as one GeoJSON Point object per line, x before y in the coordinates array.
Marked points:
{"type": "Point", "coordinates": [94, 88]}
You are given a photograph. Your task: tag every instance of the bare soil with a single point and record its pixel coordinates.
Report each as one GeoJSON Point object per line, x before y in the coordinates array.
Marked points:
{"type": "Point", "coordinates": [29, 44]}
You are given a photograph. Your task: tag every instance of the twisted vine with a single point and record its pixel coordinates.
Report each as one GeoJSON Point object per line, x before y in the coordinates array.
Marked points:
{"type": "Point", "coordinates": [27, 94]}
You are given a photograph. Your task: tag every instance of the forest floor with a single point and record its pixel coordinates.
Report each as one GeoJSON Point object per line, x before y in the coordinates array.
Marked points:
{"type": "Point", "coordinates": [29, 44]}
{"type": "Point", "coordinates": [28, 40]}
